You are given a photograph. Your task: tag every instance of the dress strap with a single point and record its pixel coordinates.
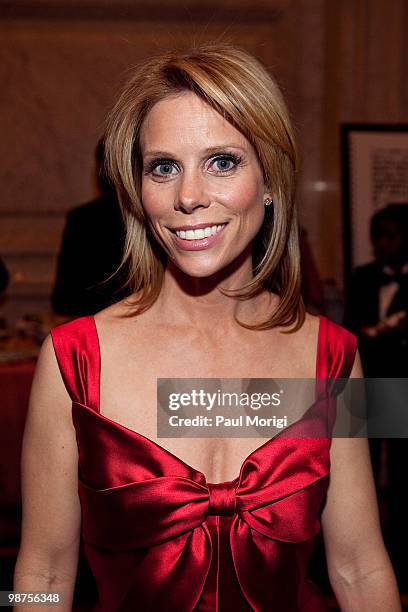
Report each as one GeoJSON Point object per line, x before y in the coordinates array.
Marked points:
{"type": "Point", "coordinates": [76, 348]}
{"type": "Point", "coordinates": [336, 350]}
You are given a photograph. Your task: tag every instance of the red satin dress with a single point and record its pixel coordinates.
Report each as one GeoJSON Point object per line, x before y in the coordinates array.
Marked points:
{"type": "Point", "coordinates": [159, 537]}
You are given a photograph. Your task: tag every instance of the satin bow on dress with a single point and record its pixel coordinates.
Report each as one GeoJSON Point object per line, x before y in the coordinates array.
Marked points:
{"type": "Point", "coordinates": [158, 536]}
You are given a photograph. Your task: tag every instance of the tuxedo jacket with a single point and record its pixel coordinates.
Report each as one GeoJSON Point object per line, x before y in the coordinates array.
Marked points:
{"type": "Point", "coordinates": [384, 356]}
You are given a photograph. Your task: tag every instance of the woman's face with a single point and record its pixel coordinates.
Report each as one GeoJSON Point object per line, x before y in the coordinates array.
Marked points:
{"type": "Point", "coordinates": [202, 179]}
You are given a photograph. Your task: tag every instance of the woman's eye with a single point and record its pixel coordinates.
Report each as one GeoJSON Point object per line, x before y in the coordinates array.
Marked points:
{"type": "Point", "coordinates": [162, 169]}
{"type": "Point", "coordinates": [224, 164]}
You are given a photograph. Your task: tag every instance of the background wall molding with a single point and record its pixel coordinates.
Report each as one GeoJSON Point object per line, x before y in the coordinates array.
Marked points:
{"type": "Point", "coordinates": [146, 10]}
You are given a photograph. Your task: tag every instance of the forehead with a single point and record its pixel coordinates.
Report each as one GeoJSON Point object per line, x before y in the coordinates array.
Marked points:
{"type": "Point", "coordinates": [186, 120]}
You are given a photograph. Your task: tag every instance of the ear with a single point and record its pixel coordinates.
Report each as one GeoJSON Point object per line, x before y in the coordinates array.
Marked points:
{"type": "Point", "coordinates": [268, 196]}
{"type": "Point", "coordinates": [267, 193]}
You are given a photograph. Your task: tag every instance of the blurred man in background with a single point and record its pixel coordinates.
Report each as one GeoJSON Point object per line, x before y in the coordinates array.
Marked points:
{"type": "Point", "coordinates": [91, 250]}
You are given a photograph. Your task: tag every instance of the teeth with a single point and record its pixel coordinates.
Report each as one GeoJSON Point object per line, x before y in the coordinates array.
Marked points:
{"type": "Point", "coordinates": [198, 234]}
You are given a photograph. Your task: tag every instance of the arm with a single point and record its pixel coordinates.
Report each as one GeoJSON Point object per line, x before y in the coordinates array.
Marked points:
{"type": "Point", "coordinates": [358, 564]}
{"type": "Point", "coordinates": [48, 555]}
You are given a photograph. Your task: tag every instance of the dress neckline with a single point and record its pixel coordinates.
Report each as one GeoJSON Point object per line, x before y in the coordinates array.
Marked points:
{"type": "Point", "coordinates": [199, 473]}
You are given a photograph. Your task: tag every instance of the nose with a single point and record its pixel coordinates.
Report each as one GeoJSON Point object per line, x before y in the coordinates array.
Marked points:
{"type": "Point", "coordinates": [191, 192]}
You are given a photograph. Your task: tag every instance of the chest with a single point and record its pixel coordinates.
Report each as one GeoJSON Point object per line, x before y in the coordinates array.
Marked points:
{"type": "Point", "coordinates": [128, 386]}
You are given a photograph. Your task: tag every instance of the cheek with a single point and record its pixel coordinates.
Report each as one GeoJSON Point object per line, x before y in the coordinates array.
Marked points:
{"type": "Point", "coordinates": [246, 198]}
{"type": "Point", "coordinates": [247, 192]}
{"type": "Point", "coordinates": [152, 200]}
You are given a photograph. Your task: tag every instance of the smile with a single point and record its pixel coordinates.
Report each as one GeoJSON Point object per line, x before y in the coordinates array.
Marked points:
{"type": "Point", "coordinates": [198, 234]}
{"type": "Point", "coordinates": [197, 239]}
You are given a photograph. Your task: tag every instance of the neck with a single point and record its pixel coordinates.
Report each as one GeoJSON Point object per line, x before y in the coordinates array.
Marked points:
{"type": "Point", "coordinates": [198, 302]}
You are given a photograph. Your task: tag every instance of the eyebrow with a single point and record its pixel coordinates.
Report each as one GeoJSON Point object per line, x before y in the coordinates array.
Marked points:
{"type": "Point", "coordinates": [207, 151]}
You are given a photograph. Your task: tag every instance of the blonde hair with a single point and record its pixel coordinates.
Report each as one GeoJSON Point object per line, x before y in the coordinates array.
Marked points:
{"type": "Point", "coordinates": [237, 86]}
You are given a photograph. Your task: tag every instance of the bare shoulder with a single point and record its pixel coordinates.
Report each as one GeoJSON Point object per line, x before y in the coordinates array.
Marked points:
{"type": "Point", "coordinates": [306, 338]}
{"type": "Point", "coordinates": [121, 328]}
{"type": "Point", "coordinates": [122, 310]}
{"type": "Point", "coordinates": [296, 351]}
{"type": "Point", "coordinates": [311, 326]}
{"type": "Point", "coordinates": [120, 315]}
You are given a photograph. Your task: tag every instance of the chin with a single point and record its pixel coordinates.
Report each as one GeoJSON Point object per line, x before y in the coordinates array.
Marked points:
{"type": "Point", "coordinates": [200, 271]}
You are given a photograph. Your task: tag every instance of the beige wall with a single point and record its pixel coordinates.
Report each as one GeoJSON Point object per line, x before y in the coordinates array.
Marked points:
{"type": "Point", "coordinates": [62, 63]}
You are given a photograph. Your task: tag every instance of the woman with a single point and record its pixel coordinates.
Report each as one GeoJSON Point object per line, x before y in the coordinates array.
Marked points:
{"type": "Point", "coordinates": [199, 142]}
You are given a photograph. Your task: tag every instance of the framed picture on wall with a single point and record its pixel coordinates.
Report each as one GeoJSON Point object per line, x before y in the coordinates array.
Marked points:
{"type": "Point", "coordinates": [375, 174]}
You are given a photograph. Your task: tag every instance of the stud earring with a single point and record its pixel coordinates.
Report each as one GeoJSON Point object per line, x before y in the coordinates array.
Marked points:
{"type": "Point", "coordinates": [268, 201]}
